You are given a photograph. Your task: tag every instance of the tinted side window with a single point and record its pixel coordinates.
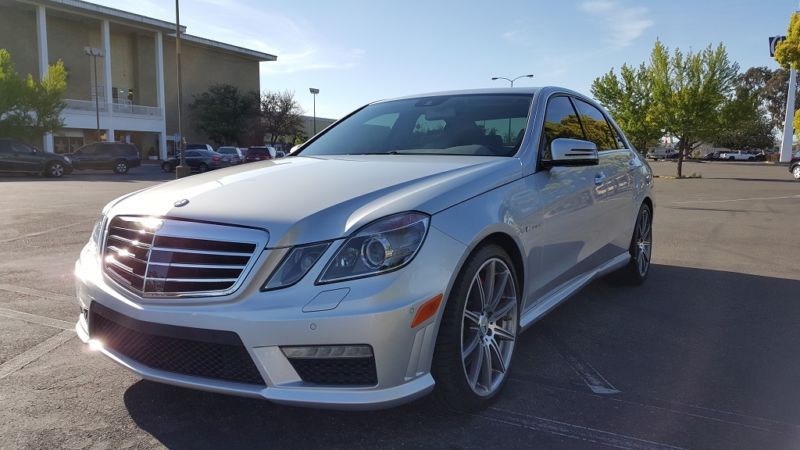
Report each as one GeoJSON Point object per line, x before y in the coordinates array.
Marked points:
{"type": "Point", "coordinates": [596, 127]}
{"type": "Point", "coordinates": [192, 154]}
{"type": "Point", "coordinates": [19, 147]}
{"type": "Point", "coordinates": [560, 121]}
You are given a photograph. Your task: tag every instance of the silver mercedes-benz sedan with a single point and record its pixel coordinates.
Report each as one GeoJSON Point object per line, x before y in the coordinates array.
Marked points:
{"type": "Point", "coordinates": [413, 242]}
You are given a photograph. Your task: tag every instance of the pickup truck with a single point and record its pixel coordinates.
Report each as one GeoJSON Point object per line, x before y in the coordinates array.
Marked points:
{"type": "Point", "coordinates": [741, 155]}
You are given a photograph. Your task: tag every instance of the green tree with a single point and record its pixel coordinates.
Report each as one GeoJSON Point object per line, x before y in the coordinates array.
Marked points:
{"type": "Point", "coordinates": [224, 113]}
{"type": "Point", "coordinates": [742, 125]}
{"type": "Point", "coordinates": [281, 115]}
{"type": "Point", "coordinates": [28, 108]}
{"type": "Point", "coordinates": [689, 91]}
{"type": "Point", "coordinates": [629, 99]}
{"type": "Point", "coordinates": [771, 86]}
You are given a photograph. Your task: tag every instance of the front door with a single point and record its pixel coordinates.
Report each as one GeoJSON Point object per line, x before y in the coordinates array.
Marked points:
{"type": "Point", "coordinates": [569, 204]}
{"type": "Point", "coordinates": [26, 158]}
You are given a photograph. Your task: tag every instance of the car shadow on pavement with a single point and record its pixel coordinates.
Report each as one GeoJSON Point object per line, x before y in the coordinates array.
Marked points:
{"type": "Point", "coordinates": [718, 340]}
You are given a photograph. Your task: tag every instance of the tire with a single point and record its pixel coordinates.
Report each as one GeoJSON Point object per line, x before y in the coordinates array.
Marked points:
{"type": "Point", "coordinates": [641, 250]}
{"type": "Point", "coordinates": [203, 167]}
{"type": "Point", "coordinates": [167, 167]}
{"type": "Point", "coordinates": [752, 158]}
{"type": "Point", "coordinates": [796, 172]}
{"type": "Point", "coordinates": [55, 170]}
{"type": "Point", "coordinates": [467, 383]}
{"type": "Point", "coordinates": [120, 166]}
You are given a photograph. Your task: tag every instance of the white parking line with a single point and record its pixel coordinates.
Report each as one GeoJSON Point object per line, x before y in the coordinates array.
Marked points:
{"type": "Point", "coordinates": [35, 292]}
{"type": "Point", "coordinates": [18, 362]}
{"type": "Point", "coordinates": [593, 379]}
{"type": "Point", "coordinates": [33, 318]}
{"type": "Point", "coordinates": [39, 233]}
{"type": "Point", "coordinates": [570, 430]}
{"type": "Point", "coordinates": [783, 197]}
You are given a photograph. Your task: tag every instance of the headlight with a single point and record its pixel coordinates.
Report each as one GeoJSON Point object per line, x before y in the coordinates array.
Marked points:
{"type": "Point", "coordinates": [69, 161]}
{"type": "Point", "coordinates": [382, 246]}
{"type": "Point", "coordinates": [97, 231]}
{"type": "Point", "coordinates": [295, 265]}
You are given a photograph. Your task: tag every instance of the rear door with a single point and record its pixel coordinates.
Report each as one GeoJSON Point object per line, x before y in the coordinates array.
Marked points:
{"type": "Point", "coordinates": [613, 191]}
{"type": "Point", "coordinates": [84, 157]}
{"type": "Point", "coordinates": [193, 158]}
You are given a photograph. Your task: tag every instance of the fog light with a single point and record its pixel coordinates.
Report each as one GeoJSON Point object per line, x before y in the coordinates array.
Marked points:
{"type": "Point", "coordinates": [328, 351]}
{"type": "Point", "coordinates": [95, 345]}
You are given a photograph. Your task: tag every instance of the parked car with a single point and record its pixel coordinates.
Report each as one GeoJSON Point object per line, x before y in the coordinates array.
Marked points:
{"type": "Point", "coordinates": [280, 154]}
{"type": "Point", "coordinates": [260, 153]}
{"type": "Point", "coordinates": [198, 160]}
{"type": "Point", "coordinates": [737, 155]}
{"type": "Point", "coordinates": [662, 153]}
{"type": "Point", "coordinates": [19, 157]}
{"type": "Point", "coordinates": [794, 166]}
{"type": "Point", "coordinates": [117, 156]}
{"type": "Point", "coordinates": [199, 147]}
{"type": "Point", "coordinates": [233, 153]}
{"type": "Point", "coordinates": [393, 260]}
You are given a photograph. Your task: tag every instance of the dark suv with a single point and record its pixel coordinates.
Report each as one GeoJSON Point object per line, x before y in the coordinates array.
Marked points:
{"type": "Point", "coordinates": [116, 156]}
{"type": "Point", "coordinates": [18, 157]}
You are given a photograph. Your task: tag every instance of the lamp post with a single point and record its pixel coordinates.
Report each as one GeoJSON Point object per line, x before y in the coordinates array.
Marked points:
{"type": "Point", "coordinates": [512, 81]}
{"type": "Point", "coordinates": [530, 75]}
{"type": "Point", "coordinates": [182, 170]}
{"type": "Point", "coordinates": [94, 53]}
{"type": "Point", "coordinates": [314, 92]}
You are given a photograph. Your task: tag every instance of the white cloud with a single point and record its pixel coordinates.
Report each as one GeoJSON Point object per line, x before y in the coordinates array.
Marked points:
{"type": "Point", "coordinates": [295, 41]}
{"type": "Point", "coordinates": [624, 23]}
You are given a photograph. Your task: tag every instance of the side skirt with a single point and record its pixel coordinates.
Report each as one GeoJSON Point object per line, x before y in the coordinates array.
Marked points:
{"type": "Point", "coordinates": [566, 290]}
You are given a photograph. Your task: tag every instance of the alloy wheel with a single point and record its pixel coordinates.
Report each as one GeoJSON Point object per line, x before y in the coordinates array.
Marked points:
{"type": "Point", "coordinates": [489, 327]}
{"type": "Point", "coordinates": [56, 170]}
{"type": "Point", "coordinates": [121, 167]}
{"type": "Point", "coordinates": [643, 244]}
{"type": "Point", "coordinates": [796, 172]}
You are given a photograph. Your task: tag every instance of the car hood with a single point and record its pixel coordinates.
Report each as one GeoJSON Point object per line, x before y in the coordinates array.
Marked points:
{"type": "Point", "coordinates": [309, 199]}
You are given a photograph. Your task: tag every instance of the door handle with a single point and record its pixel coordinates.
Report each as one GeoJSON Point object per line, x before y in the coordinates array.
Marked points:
{"type": "Point", "coordinates": [599, 178]}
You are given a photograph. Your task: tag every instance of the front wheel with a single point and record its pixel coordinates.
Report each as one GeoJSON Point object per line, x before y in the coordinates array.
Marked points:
{"type": "Point", "coordinates": [641, 250]}
{"type": "Point", "coordinates": [796, 172]}
{"type": "Point", "coordinates": [121, 166]}
{"type": "Point", "coordinates": [55, 169]}
{"type": "Point", "coordinates": [478, 332]}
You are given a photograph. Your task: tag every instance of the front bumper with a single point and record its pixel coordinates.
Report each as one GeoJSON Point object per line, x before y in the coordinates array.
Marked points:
{"type": "Point", "coordinates": [375, 311]}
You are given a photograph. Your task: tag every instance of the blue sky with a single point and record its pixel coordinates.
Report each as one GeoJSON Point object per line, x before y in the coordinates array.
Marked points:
{"type": "Point", "coordinates": [359, 51]}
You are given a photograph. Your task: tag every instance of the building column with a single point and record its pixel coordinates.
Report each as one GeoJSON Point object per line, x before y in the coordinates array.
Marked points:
{"type": "Point", "coordinates": [105, 34]}
{"type": "Point", "coordinates": [41, 37]}
{"type": "Point", "coordinates": [162, 136]}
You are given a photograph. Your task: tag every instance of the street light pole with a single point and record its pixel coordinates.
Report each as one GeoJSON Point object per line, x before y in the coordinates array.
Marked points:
{"type": "Point", "coordinates": [94, 53]}
{"type": "Point", "coordinates": [314, 92]}
{"type": "Point", "coordinates": [512, 81]}
{"type": "Point", "coordinates": [530, 75]}
{"type": "Point", "coordinates": [182, 170]}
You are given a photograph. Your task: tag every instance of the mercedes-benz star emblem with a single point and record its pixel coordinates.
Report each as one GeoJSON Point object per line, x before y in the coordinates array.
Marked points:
{"type": "Point", "coordinates": [181, 202]}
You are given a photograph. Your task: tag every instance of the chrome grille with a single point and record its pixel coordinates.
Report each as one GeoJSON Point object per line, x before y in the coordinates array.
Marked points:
{"type": "Point", "coordinates": [168, 258]}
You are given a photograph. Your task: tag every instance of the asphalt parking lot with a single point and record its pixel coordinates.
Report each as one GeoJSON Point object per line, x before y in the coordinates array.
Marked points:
{"type": "Point", "coordinates": [704, 355]}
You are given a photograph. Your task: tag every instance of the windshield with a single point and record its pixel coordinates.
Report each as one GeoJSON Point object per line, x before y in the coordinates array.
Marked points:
{"type": "Point", "coordinates": [479, 125]}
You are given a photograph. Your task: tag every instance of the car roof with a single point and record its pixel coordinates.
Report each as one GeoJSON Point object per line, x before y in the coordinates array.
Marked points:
{"type": "Point", "coordinates": [517, 90]}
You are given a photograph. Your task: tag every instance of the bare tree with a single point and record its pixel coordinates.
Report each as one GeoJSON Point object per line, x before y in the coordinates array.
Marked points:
{"type": "Point", "coordinates": [280, 115]}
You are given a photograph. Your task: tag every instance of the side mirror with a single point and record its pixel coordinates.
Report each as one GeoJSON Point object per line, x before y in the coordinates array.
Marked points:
{"type": "Point", "coordinates": [572, 152]}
